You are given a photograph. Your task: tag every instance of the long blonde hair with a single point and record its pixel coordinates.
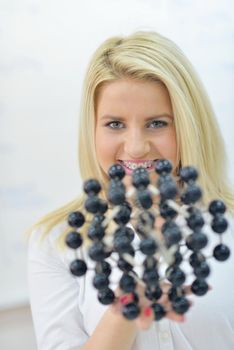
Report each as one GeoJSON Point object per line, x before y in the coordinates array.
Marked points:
{"type": "Point", "coordinates": [148, 56]}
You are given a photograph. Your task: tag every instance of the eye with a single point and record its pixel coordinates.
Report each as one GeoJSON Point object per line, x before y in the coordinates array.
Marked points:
{"type": "Point", "coordinates": [115, 125]}
{"type": "Point", "coordinates": [155, 124]}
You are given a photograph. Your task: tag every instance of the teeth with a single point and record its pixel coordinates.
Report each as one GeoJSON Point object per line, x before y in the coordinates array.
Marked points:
{"type": "Point", "coordinates": [134, 166]}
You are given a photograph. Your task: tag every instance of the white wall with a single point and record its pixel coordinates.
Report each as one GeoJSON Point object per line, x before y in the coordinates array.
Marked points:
{"type": "Point", "coordinates": [45, 46]}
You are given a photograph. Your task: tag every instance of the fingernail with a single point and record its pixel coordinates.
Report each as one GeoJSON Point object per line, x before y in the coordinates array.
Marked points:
{"type": "Point", "coordinates": [147, 311]}
{"type": "Point", "coordinates": [126, 298]}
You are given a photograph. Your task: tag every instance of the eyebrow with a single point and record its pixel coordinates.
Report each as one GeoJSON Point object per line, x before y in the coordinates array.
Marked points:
{"type": "Point", "coordinates": [153, 117]}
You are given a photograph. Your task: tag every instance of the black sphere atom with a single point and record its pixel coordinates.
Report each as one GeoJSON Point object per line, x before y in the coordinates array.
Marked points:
{"type": "Point", "coordinates": [92, 204]}
{"type": "Point", "coordinates": [195, 221]}
{"type": "Point", "coordinates": [166, 211]}
{"type": "Point", "coordinates": [221, 252]}
{"type": "Point", "coordinates": [78, 268]}
{"type": "Point", "coordinates": [191, 195]}
{"type": "Point", "coordinates": [217, 207]}
{"type": "Point", "coordinates": [199, 287]}
{"type": "Point", "coordinates": [123, 265]}
{"type": "Point", "coordinates": [103, 206]}
{"type": "Point", "coordinates": [196, 241]}
{"type": "Point", "coordinates": [159, 311]}
{"type": "Point", "coordinates": [76, 219]}
{"type": "Point", "coordinates": [175, 292]}
{"type": "Point", "coordinates": [131, 311]}
{"type": "Point", "coordinates": [202, 271]}
{"type": "Point", "coordinates": [104, 267]}
{"type": "Point", "coordinates": [171, 233]}
{"type": "Point", "coordinates": [74, 240]}
{"type": "Point", "coordinates": [92, 186]}
{"type": "Point", "coordinates": [188, 174]}
{"type": "Point", "coordinates": [150, 277]}
{"type": "Point", "coordinates": [122, 244]}
{"type": "Point", "coordinates": [127, 283]}
{"type": "Point", "coordinates": [106, 296]}
{"type": "Point", "coordinates": [180, 305]}
{"type": "Point", "coordinates": [123, 215]}
{"type": "Point", "coordinates": [116, 171]}
{"type": "Point", "coordinates": [144, 198]}
{"type": "Point", "coordinates": [196, 258]}
{"type": "Point", "coordinates": [100, 281]}
{"type": "Point", "coordinates": [219, 224]}
{"type": "Point", "coordinates": [148, 246]}
{"type": "Point", "coordinates": [178, 258]}
{"type": "Point", "coordinates": [140, 178]}
{"type": "Point", "coordinates": [153, 294]}
{"type": "Point", "coordinates": [163, 167]}
{"type": "Point", "coordinates": [124, 232]}
{"type": "Point", "coordinates": [97, 252]}
{"type": "Point", "coordinates": [168, 191]}
{"type": "Point", "coordinates": [176, 276]}
{"type": "Point", "coordinates": [116, 192]}
{"type": "Point", "coordinates": [96, 232]}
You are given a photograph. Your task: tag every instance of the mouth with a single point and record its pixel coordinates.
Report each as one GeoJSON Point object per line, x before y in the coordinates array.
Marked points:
{"type": "Point", "coordinates": [130, 165]}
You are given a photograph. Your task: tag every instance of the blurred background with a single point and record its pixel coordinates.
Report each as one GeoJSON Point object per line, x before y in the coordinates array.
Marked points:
{"type": "Point", "coordinates": [45, 48]}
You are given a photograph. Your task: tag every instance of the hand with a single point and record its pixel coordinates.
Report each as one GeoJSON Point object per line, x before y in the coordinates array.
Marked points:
{"type": "Point", "coordinates": [146, 317]}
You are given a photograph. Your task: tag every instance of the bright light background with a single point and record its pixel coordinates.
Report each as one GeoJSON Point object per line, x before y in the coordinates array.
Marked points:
{"type": "Point", "coordinates": [45, 48]}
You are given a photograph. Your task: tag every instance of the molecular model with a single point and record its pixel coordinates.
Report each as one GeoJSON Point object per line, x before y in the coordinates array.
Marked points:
{"type": "Point", "coordinates": [136, 212]}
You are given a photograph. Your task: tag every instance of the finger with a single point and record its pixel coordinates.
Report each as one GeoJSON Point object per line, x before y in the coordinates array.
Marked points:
{"type": "Point", "coordinates": [116, 308]}
{"type": "Point", "coordinates": [173, 316]}
{"type": "Point", "coordinates": [187, 290]}
{"type": "Point", "coordinates": [145, 319]}
{"type": "Point", "coordinates": [122, 300]}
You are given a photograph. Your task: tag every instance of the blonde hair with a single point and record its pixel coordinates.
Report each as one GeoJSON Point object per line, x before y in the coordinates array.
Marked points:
{"type": "Point", "coordinates": [148, 56]}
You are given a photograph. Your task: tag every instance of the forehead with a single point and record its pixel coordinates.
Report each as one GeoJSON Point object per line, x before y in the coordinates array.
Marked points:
{"type": "Point", "coordinates": [135, 94]}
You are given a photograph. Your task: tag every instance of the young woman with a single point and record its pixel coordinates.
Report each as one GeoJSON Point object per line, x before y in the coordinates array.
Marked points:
{"type": "Point", "coordinates": [142, 101]}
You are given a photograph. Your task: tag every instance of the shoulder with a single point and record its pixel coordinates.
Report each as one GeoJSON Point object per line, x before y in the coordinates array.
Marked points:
{"type": "Point", "coordinates": [230, 230]}
{"type": "Point", "coordinates": [46, 246]}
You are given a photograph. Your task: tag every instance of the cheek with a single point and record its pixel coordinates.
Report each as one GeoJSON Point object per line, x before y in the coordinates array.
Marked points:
{"type": "Point", "coordinates": [170, 142]}
{"type": "Point", "coordinates": [105, 149]}
{"type": "Point", "coordinates": [167, 146]}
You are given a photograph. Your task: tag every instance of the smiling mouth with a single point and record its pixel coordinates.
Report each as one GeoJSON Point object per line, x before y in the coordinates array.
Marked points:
{"type": "Point", "coordinates": [131, 165]}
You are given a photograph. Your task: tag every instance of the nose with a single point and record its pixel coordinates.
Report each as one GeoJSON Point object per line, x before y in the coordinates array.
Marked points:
{"type": "Point", "coordinates": [136, 144]}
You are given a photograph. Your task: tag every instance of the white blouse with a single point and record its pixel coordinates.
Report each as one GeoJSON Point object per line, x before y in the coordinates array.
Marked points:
{"type": "Point", "coordinates": [66, 311]}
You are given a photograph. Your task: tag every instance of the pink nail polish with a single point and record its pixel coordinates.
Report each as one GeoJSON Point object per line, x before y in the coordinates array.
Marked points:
{"type": "Point", "coordinates": [147, 311]}
{"type": "Point", "coordinates": [125, 299]}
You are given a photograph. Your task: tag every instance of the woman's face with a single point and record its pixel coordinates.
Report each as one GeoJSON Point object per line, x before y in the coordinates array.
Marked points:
{"type": "Point", "coordinates": [134, 126]}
